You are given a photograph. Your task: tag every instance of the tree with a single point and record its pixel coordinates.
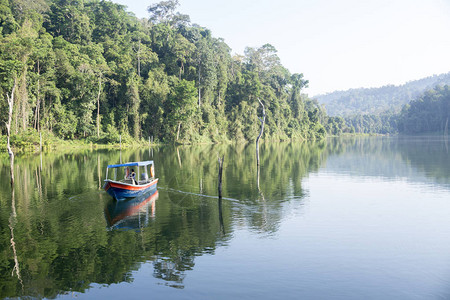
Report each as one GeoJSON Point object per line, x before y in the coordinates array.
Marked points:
{"type": "Point", "coordinates": [206, 70]}
{"type": "Point", "coordinates": [181, 104]}
{"type": "Point", "coordinates": [87, 68]}
{"type": "Point", "coordinates": [69, 20]}
{"type": "Point", "coordinates": [43, 58]}
{"type": "Point", "coordinates": [428, 113]}
{"type": "Point", "coordinates": [8, 23]}
{"type": "Point", "coordinates": [134, 103]}
{"type": "Point", "coordinates": [164, 12]}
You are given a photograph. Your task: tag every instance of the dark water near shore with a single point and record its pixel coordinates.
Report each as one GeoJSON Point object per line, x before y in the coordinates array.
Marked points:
{"type": "Point", "coordinates": [353, 218]}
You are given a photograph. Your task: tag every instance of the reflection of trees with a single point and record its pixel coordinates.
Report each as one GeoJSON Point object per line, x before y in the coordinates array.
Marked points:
{"type": "Point", "coordinates": [283, 165]}
{"type": "Point", "coordinates": [429, 156]}
{"type": "Point", "coordinates": [60, 234]}
{"type": "Point", "coordinates": [193, 227]}
{"type": "Point", "coordinates": [12, 223]}
{"type": "Point", "coordinates": [411, 157]}
{"type": "Point", "coordinates": [60, 231]}
{"type": "Point", "coordinates": [50, 232]}
{"type": "Point", "coordinates": [172, 270]}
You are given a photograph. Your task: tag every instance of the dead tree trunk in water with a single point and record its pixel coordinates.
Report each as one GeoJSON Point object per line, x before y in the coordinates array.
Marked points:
{"type": "Point", "coordinates": [222, 227]}
{"type": "Point", "coordinates": [263, 120]}
{"type": "Point", "coordinates": [220, 176]}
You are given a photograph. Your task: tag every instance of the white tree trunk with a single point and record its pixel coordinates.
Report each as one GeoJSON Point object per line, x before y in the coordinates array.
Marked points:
{"type": "Point", "coordinates": [263, 120]}
{"type": "Point", "coordinates": [10, 99]}
{"type": "Point", "coordinates": [178, 130]}
{"type": "Point", "coordinates": [98, 106]}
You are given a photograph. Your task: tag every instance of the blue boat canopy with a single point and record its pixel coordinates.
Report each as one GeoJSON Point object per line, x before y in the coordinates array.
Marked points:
{"type": "Point", "coordinates": [132, 164]}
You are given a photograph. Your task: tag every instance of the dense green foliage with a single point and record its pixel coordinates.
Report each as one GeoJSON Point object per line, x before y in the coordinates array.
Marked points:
{"type": "Point", "coordinates": [89, 69]}
{"type": "Point", "coordinates": [374, 101]}
{"type": "Point", "coordinates": [429, 113]}
{"type": "Point", "coordinates": [384, 123]}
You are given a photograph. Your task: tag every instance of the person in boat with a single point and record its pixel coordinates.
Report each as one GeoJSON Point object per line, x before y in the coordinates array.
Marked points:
{"type": "Point", "coordinates": [133, 176]}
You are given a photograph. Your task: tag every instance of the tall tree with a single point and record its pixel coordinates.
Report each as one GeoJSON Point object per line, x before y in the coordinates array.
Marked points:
{"type": "Point", "coordinates": [181, 104]}
{"type": "Point", "coordinates": [68, 18]}
{"type": "Point", "coordinates": [164, 12]}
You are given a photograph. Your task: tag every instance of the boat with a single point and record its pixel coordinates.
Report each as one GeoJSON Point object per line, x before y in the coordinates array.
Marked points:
{"type": "Point", "coordinates": [132, 183]}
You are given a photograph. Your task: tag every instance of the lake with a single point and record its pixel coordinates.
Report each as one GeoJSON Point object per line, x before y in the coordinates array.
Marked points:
{"type": "Point", "coordinates": [345, 218]}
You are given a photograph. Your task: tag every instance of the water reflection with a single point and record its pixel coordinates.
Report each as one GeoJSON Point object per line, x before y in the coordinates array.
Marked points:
{"type": "Point", "coordinates": [60, 215]}
{"type": "Point", "coordinates": [416, 159]}
{"type": "Point", "coordinates": [133, 213]}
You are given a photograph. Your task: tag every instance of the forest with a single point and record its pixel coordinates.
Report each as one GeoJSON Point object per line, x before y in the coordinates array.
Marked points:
{"type": "Point", "coordinates": [373, 101]}
{"type": "Point", "coordinates": [91, 71]}
{"type": "Point", "coordinates": [416, 107]}
{"type": "Point", "coordinates": [428, 113]}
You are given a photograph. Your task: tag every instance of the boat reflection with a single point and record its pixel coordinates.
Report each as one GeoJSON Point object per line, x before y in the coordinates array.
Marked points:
{"type": "Point", "coordinates": [133, 213]}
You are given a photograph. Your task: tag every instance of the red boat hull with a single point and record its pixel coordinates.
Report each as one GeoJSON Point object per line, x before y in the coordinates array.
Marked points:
{"type": "Point", "coordinates": [121, 190]}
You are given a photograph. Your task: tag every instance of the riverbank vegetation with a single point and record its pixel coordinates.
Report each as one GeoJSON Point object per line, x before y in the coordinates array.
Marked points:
{"type": "Point", "coordinates": [90, 71]}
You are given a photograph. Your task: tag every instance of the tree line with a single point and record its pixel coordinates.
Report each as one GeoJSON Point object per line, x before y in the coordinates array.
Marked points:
{"type": "Point", "coordinates": [91, 70]}
{"type": "Point", "coordinates": [428, 113]}
{"type": "Point", "coordinates": [374, 101]}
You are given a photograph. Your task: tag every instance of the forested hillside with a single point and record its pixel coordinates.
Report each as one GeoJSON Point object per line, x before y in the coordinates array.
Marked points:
{"type": "Point", "coordinates": [373, 101]}
{"type": "Point", "coordinates": [91, 70]}
{"type": "Point", "coordinates": [429, 113]}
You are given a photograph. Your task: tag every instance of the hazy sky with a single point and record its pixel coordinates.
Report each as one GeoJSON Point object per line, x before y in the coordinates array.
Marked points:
{"type": "Point", "coordinates": [337, 45]}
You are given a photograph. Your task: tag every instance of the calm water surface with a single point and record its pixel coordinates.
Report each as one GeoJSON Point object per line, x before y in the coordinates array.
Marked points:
{"type": "Point", "coordinates": [355, 218]}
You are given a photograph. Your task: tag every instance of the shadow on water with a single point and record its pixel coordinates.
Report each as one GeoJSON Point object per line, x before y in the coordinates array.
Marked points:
{"type": "Point", "coordinates": [61, 218]}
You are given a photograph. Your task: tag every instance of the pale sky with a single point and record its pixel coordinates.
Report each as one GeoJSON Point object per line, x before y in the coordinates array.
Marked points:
{"type": "Point", "coordinates": [336, 44]}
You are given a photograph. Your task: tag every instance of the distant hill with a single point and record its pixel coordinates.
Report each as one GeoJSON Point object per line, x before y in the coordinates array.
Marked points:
{"type": "Point", "coordinates": [378, 100]}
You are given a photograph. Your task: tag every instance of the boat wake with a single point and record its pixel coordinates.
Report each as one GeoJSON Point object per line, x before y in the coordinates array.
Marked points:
{"type": "Point", "coordinates": [195, 194]}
